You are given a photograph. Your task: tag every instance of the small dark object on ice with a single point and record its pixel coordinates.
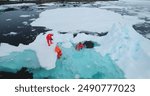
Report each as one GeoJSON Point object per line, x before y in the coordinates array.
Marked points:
{"type": "Point", "coordinates": [88, 44]}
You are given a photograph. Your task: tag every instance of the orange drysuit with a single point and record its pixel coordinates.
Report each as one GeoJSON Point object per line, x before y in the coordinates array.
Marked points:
{"type": "Point", "coordinates": [79, 46]}
{"type": "Point", "coordinates": [49, 39]}
{"type": "Point", "coordinates": [58, 51]}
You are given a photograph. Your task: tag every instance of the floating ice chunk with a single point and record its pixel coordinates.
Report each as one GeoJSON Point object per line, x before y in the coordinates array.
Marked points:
{"type": "Point", "coordinates": [24, 16]}
{"type": "Point", "coordinates": [32, 19]}
{"type": "Point", "coordinates": [8, 19]}
{"type": "Point", "coordinates": [11, 33]}
{"type": "Point", "coordinates": [2, 8]}
{"type": "Point", "coordinates": [33, 29]}
{"type": "Point", "coordinates": [25, 23]}
{"type": "Point", "coordinates": [128, 49]}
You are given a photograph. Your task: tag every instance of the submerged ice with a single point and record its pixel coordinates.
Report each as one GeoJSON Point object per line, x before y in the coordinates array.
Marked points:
{"type": "Point", "coordinates": [16, 60]}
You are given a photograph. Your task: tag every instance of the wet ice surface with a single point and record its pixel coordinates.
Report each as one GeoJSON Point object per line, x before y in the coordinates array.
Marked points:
{"type": "Point", "coordinates": [17, 60]}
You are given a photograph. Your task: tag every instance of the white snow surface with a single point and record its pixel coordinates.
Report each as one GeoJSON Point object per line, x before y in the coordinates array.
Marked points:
{"type": "Point", "coordinates": [13, 33]}
{"type": "Point", "coordinates": [76, 19]}
{"type": "Point", "coordinates": [25, 23]}
{"type": "Point", "coordinates": [8, 19]}
{"type": "Point", "coordinates": [128, 49]}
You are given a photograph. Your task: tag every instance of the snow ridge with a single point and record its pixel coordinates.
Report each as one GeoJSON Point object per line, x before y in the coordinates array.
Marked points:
{"type": "Point", "coordinates": [128, 49]}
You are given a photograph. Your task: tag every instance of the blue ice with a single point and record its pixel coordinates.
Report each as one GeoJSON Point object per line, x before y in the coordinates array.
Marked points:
{"type": "Point", "coordinates": [16, 60]}
{"type": "Point", "coordinates": [86, 63]}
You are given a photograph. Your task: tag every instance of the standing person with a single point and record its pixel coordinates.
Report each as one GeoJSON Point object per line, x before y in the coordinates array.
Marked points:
{"type": "Point", "coordinates": [49, 39]}
{"type": "Point", "coordinates": [58, 51]}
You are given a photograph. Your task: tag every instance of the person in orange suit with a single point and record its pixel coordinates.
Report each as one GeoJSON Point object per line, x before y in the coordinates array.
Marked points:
{"type": "Point", "coordinates": [49, 39]}
{"type": "Point", "coordinates": [79, 46]}
{"type": "Point", "coordinates": [58, 51]}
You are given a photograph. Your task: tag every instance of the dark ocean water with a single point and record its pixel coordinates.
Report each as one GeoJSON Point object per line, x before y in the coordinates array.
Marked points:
{"type": "Point", "coordinates": [17, 20]}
